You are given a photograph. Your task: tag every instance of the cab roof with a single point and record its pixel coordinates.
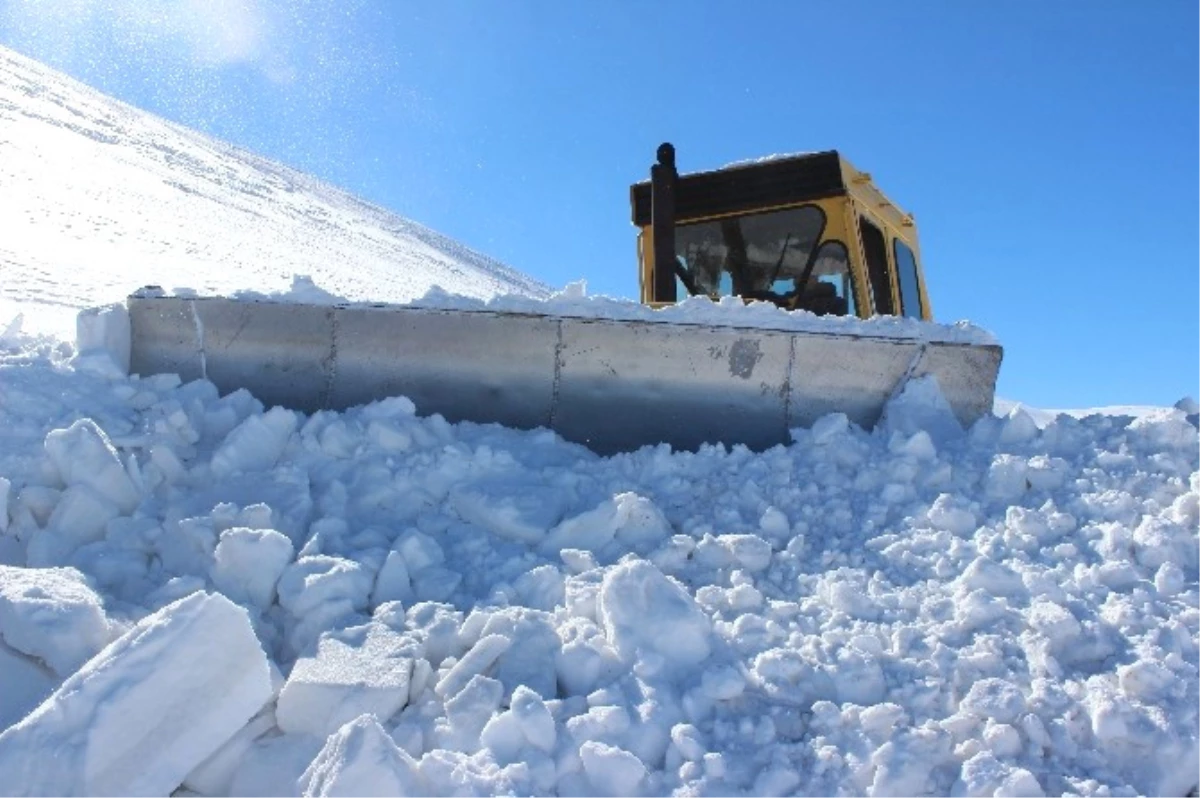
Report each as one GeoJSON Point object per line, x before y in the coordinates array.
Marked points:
{"type": "Point", "coordinates": [748, 187]}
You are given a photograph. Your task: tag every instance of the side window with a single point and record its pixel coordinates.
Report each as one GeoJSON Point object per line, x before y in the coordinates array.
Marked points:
{"type": "Point", "coordinates": [906, 270]}
{"type": "Point", "coordinates": [875, 249]}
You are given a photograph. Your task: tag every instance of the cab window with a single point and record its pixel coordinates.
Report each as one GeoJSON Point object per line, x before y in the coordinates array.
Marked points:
{"type": "Point", "coordinates": [906, 270]}
{"type": "Point", "coordinates": [830, 288]}
{"type": "Point", "coordinates": [753, 256]}
{"type": "Point", "coordinates": [875, 251]}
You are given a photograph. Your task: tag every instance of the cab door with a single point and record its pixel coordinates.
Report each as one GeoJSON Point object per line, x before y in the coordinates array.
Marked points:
{"type": "Point", "coordinates": [875, 257]}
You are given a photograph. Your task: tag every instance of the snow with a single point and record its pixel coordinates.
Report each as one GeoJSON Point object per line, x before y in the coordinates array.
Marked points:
{"type": "Point", "coordinates": [113, 199]}
{"type": "Point", "coordinates": [361, 759]}
{"type": "Point", "coordinates": [355, 670]}
{"type": "Point", "coordinates": [146, 710]}
{"type": "Point", "coordinates": [52, 615]}
{"type": "Point", "coordinates": [202, 594]}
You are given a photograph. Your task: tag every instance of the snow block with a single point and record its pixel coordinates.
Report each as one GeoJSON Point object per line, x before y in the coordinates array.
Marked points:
{"type": "Point", "coordinates": [918, 406]}
{"type": "Point", "coordinates": [362, 669]}
{"type": "Point", "coordinates": [247, 564]}
{"type": "Point", "coordinates": [510, 509]}
{"type": "Point", "coordinates": [361, 759]}
{"type": "Point", "coordinates": [144, 712]}
{"type": "Point", "coordinates": [103, 339]}
{"type": "Point", "coordinates": [52, 614]}
{"type": "Point", "coordinates": [255, 444]}
{"type": "Point", "coordinates": [646, 611]}
{"type": "Point", "coordinates": [627, 517]}
{"type": "Point", "coordinates": [83, 455]}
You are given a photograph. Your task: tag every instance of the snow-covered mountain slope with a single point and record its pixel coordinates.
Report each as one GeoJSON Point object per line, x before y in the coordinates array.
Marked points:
{"type": "Point", "coordinates": [98, 198]}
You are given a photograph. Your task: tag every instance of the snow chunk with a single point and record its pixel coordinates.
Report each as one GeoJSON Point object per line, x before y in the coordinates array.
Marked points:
{"type": "Point", "coordinates": [324, 584]}
{"type": "Point", "coordinates": [626, 517]}
{"type": "Point", "coordinates": [469, 711]}
{"type": "Point", "coordinates": [147, 710]}
{"type": "Point", "coordinates": [646, 611]}
{"type": "Point", "coordinates": [362, 669]}
{"type": "Point", "coordinates": [103, 339]}
{"type": "Point", "coordinates": [948, 515]}
{"type": "Point", "coordinates": [1163, 429]}
{"type": "Point", "coordinates": [920, 406]}
{"type": "Point", "coordinates": [247, 564]}
{"type": "Point", "coordinates": [534, 644]}
{"type": "Point", "coordinates": [749, 551]}
{"type": "Point", "coordinates": [83, 455]}
{"type": "Point", "coordinates": [1054, 621]}
{"type": "Point", "coordinates": [361, 759]}
{"type": "Point", "coordinates": [527, 722]}
{"type": "Point", "coordinates": [611, 770]}
{"type": "Point", "coordinates": [477, 661]}
{"type": "Point", "coordinates": [994, 698]}
{"type": "Point", "coordinates": [509, 509]}
{"type": "Point", "coordinates": [255, 444]}
{"type": "Point", "coordinates": [52, 614]}
{"type": "Point", "coordinates": [986, 574]}
{"type": "Point", "coordinates": [984, 775]}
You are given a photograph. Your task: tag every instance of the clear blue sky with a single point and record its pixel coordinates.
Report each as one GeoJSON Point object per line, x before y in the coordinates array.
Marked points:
{"type": "Point", "coordinates": [1048, 149]}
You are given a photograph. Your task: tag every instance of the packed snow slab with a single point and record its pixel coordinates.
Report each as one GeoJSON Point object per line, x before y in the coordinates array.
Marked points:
{"type": "Point", "coordinates": [112, 197]}
{"type": "Point", "coordinates": [145, 711]}
{"type": "Point", "coordinates": [357, 670]}
{"type": "Point", "coordinates": [612, 384]}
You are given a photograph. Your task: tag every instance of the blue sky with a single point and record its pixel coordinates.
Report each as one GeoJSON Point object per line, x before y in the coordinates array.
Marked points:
{"type": "Point", "coordinates": [1048, 150]}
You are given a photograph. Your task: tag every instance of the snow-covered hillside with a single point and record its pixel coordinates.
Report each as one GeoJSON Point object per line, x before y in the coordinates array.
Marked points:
{"type": "Point", "coordinates": [202, 595]}
{"type": "Point", "coordinates": [98, 199]}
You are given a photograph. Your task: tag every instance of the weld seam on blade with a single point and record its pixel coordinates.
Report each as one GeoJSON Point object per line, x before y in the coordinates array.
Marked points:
{"type": "Point", "coordinates": [199, 327]}
{"type": "Point", "coordinates": [917, 357]}
{"type": "Point", "coordinates": [558, 349]}
{"type": "Point", "coordinates": [331, 367]}
{"type": "Point", "coordinates": [787, 387]}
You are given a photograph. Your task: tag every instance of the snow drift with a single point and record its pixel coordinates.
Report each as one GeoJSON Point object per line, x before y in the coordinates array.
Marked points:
{"type": "Point", "coordinates": [471, 609]}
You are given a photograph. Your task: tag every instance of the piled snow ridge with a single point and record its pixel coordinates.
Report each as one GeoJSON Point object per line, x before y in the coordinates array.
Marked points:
{"type": "Point", "coordinates": [474, 610]}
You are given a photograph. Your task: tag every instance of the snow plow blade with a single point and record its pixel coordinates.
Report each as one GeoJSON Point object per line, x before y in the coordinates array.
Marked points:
{"type": "Point", "coordinates": [610, 385]}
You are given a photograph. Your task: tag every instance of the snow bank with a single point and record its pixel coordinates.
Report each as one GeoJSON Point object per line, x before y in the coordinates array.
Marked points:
{"type": "Point", "coordinates": [146, 710]}
{"type": "Point", "coordinates": [467, 609]}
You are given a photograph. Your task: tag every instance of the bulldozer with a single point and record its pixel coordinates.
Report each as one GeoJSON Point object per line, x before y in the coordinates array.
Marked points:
{"type": "Point", "coordinates": [809, 234]}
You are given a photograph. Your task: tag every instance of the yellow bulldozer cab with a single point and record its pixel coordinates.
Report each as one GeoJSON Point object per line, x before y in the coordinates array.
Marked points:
{"type": "Point", "coordinates": [805, 232]}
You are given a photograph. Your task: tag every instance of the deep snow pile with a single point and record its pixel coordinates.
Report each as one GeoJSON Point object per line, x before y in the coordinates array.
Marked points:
{"type": "Point", "coordinates": [204, 593]}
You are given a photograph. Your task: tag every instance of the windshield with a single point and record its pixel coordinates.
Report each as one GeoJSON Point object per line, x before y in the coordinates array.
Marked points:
{"type": "Point", "coordinates": [765, 252]}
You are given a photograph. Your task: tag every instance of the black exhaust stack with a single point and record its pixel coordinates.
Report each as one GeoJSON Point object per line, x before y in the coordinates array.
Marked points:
{"type": "Point", "coordinates": [662, 223]}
